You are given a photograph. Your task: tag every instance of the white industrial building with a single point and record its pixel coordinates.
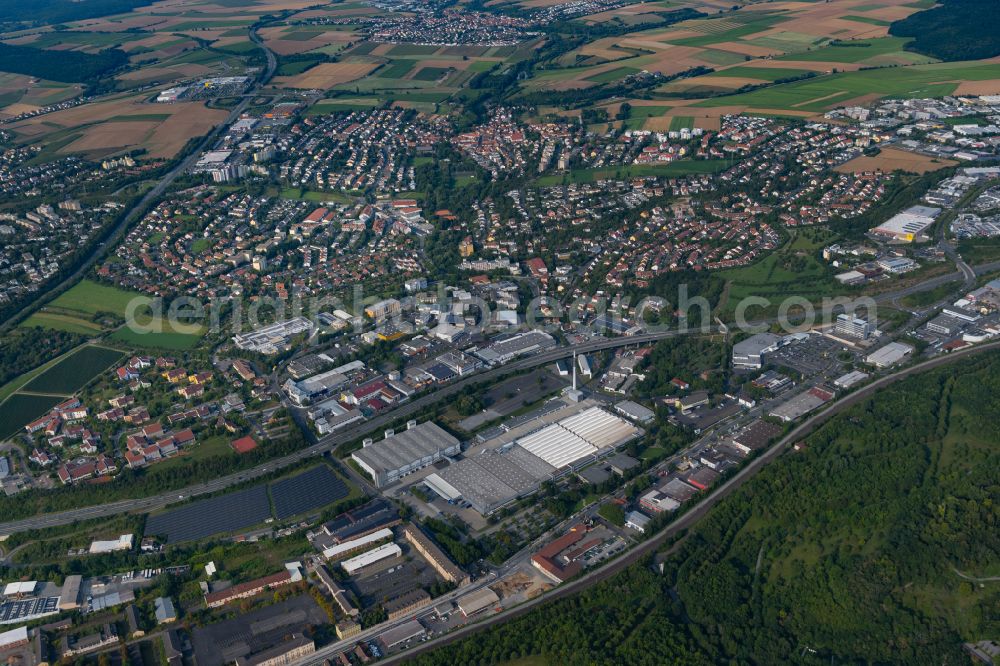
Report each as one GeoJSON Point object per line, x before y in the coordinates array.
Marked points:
{"type": "Point", "coordinates": [402, 453]}
{"type": "Point", "coordinates": [371, 557]}
{"type": "Point", "coordinates": [275, 337]}
{"type": "Point", "coordinates": [891, 354]}
{"type": "Point", "coordinates": [124, 542]}
{"type": "Point", "coordinates": [749, 354]}
{"type": "Point", "coordinates": [499, 476]}
{"type": "Point", "coordinates": [909, 224]}
{"type": "Point", "coordinates": [339, 550]}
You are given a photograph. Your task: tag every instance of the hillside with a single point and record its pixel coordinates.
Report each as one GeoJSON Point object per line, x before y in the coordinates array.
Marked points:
{"type": "Point", "coordinates": [954, 30]}
{"type": "Point", "coordinates": [850, 548]}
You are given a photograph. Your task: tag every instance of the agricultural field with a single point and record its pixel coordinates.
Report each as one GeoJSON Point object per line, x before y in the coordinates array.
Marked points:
{"type": "Point", "coordinates": [91, 308]}
{"type": "Point", "coordinates": [893, 159]}
{"type": "Point", "coordinates": [327, 75]}
{"type": "Point", "coordinates": [118, 125]}
{"type": "Point", "coordinates": [823, 92]}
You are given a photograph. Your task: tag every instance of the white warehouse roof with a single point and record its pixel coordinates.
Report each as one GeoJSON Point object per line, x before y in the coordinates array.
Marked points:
{"type": "Point", "coordinates": [599, 428]}
{"type": "Point", "coordinates": [557, 446]}
{"type": "Point", "coordinates": [334, 551]}
{"type": "Point", "coordinates": [26, 587]}
{"type": "Point", "coordinates": [371, 557]}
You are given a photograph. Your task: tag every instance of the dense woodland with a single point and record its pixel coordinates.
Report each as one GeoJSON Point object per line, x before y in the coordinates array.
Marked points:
{"type": "Point", "coordinates": [65, 66]}
{"type": "Point", "coordinates": [954, 30]}
{"type": "Point", "coordinates": [45, 12]}
{"type": "Point", "coordinates": [24, 349]}
{"type": "Point", "coordinates": [853, 549]}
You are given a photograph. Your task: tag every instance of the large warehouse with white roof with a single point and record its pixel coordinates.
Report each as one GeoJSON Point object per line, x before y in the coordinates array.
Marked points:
{"type": "Point", "coordinates": [496, 477]}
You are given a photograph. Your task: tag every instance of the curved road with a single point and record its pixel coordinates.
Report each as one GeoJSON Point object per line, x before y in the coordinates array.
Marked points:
{"type": "Point", "coordinates": [324, 445]}
{"type": "Point", "coordinates": [683, 522]}
{"type": "Point", "coordinates": [157, 191]}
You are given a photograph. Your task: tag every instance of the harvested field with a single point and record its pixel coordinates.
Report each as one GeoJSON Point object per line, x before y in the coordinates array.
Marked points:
{"type": "Point", "coordinates": [327, 75]}
{"type": "Point", "coordinates": [17, 109]}
{"type": "Point", "coordinates": [892, 159]}
{"type": "Point", "coordinates": [987, 87]}
{"type": "Point", "coordinates": [163, 136]}
{"type": "Point", "coordinates": [106, 138]}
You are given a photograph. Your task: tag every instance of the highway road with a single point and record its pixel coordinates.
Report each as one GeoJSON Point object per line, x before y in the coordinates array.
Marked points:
{"type": "Point", "coordinates": [324, 445]}
{"type": "Point", "coordinates": [332, 441]}
{"type": "Point", "coordinates": [682, 523]}
{"type": "Point", "coordinates": [140, 208]}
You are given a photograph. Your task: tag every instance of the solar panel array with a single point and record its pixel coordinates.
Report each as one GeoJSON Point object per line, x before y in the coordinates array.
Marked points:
{"type": "Point", "coordinates": [309, 490]}
{"type": "Point", "coordinates": [216, 515]}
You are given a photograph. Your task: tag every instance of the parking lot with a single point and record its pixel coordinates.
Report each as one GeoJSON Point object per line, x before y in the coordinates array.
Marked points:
{"type": "Point", "coordinates": [813, 356]}
{"type": "Point", "coordinates": [393, 578]}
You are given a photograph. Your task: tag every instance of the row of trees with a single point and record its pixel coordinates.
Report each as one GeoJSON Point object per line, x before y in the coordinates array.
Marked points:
{"type": "Point", "coordinates": [848, 550]}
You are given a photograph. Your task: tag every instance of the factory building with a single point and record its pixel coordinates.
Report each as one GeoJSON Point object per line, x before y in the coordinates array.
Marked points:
{"type": "Point", "coordinates": [373, 556]}
{"type": "Point", "coordinates": [402, 453]}
{"type": "Point", "coordinates": [749, 354]}
{"type": "Point", "coordinates": [434, 555]}
{"type": "Point", "coordinates": [477, 601]}
{"type": "Point", "coordinates": [496, 477]}
{"type": "Point", "coordinates": [908, 225]}
{"type": "Point", "coordinates": [275, 337]}
{"type": "Point", "coordinates": [890, 355]}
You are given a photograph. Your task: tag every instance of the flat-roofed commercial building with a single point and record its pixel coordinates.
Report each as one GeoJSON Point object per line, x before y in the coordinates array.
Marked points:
{"type": "Point", "coordinates": [275, 337]}
{"type": "Point", "coordinates": [405, 452]}
{"type": "Point", "coordinates": [909, 224]}
{"type": "Point", "coordinates": [434, 555]}
{"type": "Point", "coordinates": [853, 327]}
{"type": "Point", "coordinates": [477, 601]}
{"type": "Point", "coordinates": [891, 354]}
{"type": "Point", "coordinates": [750, 352]}
{"type": "Point", "coordinates": [496, 477]}
{"type": "Point", "coordinates": [373, 556]}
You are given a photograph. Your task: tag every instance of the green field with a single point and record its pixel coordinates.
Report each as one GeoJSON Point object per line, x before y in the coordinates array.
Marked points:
{"type": "Point", "coordinates": [866, 19]}
{"type": "Point", "coordinates": [681, 122]}
{"type": "Point", "coordinates": [818, 93]}
{"type": "Point", "coordinates": [167, 339]}
{"type": "Point", "coordinates": [760, 73]}
{"type": "Point", "coordinates": [858, 51]}
{"type": "Point", "coordinates": [62, 322]}
{"type": "Point", "coordinates": [430, 73]}
{"type": "Point", "coordinates": [90, 298]}
{"type": "Point", "coordinates": [668, 170]}
{"type": "Point", "coordinates": [335, 105]}
{"type": "Point", "coordinates": [612, 75]}
{"type": "Point", "coordinates": [397, 69]}
{"type": "Point", "coordinates": [790, 271]}
{"type": "Point", "coordinates": [413, 50]}
{"type": "Point", "coordinates": [74, 371]}
{"type": "Point", "coordinates": [19, 409]}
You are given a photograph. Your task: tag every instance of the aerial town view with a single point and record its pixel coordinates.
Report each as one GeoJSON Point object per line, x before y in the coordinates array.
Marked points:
{"type": "Point", "coordinates": [508, 332]}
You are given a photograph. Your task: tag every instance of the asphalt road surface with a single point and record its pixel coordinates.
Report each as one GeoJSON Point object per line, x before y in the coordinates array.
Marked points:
{"type": "Point", "coordinates": [684, 522]}
{"type": "Point", "coordinates": [157, 191]}
{"type": "Point", "coordinates": [324, 445]}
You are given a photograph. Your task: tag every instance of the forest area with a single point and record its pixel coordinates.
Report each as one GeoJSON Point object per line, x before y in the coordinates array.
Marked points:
{"type": "Point", "coordinates": [869, 545]}
{"type": "Point", "coordinates": [954, 30]}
